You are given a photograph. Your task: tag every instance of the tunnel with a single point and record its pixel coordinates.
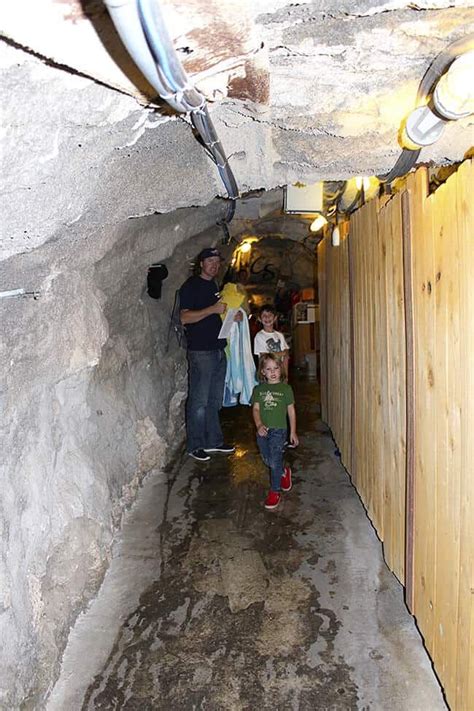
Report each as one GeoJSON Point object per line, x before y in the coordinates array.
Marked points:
{"type": "Point", "coordinates": [321, 167]}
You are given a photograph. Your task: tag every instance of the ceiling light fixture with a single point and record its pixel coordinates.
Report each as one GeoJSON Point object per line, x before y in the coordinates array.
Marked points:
{"type": "Point", "coordinates": [318, 223]}
{"type": "Point", "coordinates": [444, 94]}
{"type": "Point", "coordinates": [452, 99]}
{"type": "Point", "coordinates": [362, 182]}
{"type": "Point", "coordinates": [453, 96]}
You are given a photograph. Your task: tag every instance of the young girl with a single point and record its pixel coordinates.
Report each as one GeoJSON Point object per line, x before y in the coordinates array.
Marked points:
{"type": "Point", "coordinates": [272, 401]}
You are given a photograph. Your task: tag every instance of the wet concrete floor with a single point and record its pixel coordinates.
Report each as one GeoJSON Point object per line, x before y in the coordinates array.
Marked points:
{"type": "Point", "coordinates": [214, 603]}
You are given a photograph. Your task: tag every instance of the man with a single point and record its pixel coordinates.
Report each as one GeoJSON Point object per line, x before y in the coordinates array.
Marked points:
{"type": "Point", "coordinates": [200, 310]}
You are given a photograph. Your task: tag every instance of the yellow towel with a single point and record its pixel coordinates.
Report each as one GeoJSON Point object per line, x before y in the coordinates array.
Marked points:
{"type": "Point", "coordinates": [235, 296]}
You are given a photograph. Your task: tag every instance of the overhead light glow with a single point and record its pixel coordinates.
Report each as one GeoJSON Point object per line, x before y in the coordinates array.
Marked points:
{"type": "Point", "coordinates": [362, 182]}
{"type": "Point", "coordinates": [318, 223]}
{"type": "Point", "coordinates": [245, 247]}
{"type": "Point", "coordinates": [454, 93]}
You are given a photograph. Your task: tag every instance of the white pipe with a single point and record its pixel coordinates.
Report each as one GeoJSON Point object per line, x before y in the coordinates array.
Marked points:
{"type": "Point", "coordinates": [19, 292]}
{"type": "Point", "coordinates": [13, 292]}
{"type": "Point", "coordinates": [124, 14]}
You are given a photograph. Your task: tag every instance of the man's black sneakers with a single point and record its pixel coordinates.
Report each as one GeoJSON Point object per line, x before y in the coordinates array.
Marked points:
{"type": "Point", "coordinates": [200, 455]}
{"type": "Point", "coordinates": [225, 448]}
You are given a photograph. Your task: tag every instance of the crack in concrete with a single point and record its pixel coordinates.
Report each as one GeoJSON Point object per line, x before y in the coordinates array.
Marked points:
{"type": "Point", "coordinates": [66, 68]}
{"type": "Point", "coordinates": [303, 132]}
{"type": "Point", "coordinates": [298, 163]}
{"type": "Point", "coordinates": [328, 52]}
{"type": "Point", "coordinates": [392, 7]}
{"type": "Point", "coordinates": [291, 53]}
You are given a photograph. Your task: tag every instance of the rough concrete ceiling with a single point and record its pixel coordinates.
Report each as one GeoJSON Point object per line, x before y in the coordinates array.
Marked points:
{"type": "Point", "coordinates": [309, 91]}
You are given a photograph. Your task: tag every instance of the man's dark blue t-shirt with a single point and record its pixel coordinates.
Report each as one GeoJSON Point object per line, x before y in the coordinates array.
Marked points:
{"type": "Point", "coordinates": [196, 294]}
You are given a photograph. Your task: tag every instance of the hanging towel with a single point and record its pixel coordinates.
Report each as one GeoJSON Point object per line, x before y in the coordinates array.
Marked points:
{"type": "Point", "coordinates": [240, 378]}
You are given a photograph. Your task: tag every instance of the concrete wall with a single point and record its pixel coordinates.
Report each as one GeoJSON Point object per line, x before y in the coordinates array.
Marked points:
{"type": "Point", "coordinates": [91, 400]}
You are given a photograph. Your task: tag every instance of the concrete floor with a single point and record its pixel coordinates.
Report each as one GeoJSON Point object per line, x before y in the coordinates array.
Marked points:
{"type": "Point", "coordinates": [213, 603]}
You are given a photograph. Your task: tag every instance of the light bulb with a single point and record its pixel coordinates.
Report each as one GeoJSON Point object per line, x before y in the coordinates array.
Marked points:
{"type": "Point", "coordinates": [422, 128]}
{"type": "Point", "coordinates": [336, 237]}
{"type": "Point", "coordinates": [362, 182]}
{"type": "Point", "coordinates": [318, 223]}
{"type": "Point", "coordinates": [454, 93]}
{"type": "Point", "coordinates": [245, 247]}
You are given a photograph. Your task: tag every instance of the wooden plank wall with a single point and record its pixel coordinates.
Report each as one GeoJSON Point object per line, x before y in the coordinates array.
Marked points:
{"type": "Point", "coordinates": [423, 253]}
{"type": "Point", "coordinates": [442, 267]}
{"type": "Point", "coordinates": [379, 428]}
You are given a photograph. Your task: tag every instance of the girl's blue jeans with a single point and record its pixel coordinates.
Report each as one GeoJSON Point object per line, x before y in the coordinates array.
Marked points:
{"type": "Point", "coordinates": [271, 449]}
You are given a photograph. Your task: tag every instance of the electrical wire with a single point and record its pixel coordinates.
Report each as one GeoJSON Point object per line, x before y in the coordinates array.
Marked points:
{"type": "Point", "coordinates": [175, 87]}
{"type": "Point", "coordinates": [405, 162]}
{"type": "Point", "coordinates": [203, 124]}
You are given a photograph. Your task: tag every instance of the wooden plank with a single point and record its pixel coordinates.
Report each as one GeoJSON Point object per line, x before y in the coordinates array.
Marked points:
{"type": "Point", "coordinates": [397, 391]}
{"type": "Point", "coordinates": [368, 375]}
{"type": "Point", "coordinates": [384, 376]}
{"type": "Point", "coordinates": [338, 345]}
{"type": "Point", "coordinates": [330, 290]}
{"type": "Point", "coordinates": [464, 697]}
{"type": "Point", "coordinates": [351, 275]}
{"type": "Point", "coordinates": [379, 373]}
{"type": "Point", "coordinates": [387, 235]}
{"type": "Point", "coordinates": [424, 314]}
{"type": "Point", "coordinates": [363, 464]}
{"type": "Point", "coordinates": [389, 372]}
{"type": "Point", "coordinates": [365, 317]}
{"type": "Point", "coordinates": [410, 400]}
{"type": "Point", "coordinates": [355, 306]}
{"type": "Point", "coordinates": [346, 405]}
{"type": "Point", "coordinates": [370, 452]}
{"type": "Point", "coordinates": [321, 257]}
{"type": "Point", "coordinates": [447, 373]}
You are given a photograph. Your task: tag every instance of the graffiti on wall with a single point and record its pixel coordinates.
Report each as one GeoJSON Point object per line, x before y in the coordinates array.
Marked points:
{"type": "Point", "coordinates": [268, 265]}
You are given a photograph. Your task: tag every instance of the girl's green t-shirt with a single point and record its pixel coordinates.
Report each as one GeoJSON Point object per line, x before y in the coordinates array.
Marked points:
{"type": "Point", "coordinates": [273, 400]}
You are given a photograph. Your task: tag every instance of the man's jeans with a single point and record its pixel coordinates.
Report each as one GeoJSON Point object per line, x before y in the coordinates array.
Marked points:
{"type": "Point", "coordinates": [271, 448]}
{"type": "Point", "coordinates": [206, 372]}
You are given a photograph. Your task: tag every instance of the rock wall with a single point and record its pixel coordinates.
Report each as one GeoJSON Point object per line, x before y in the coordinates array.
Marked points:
{"type": "Point", "coordinates": [92, 398]}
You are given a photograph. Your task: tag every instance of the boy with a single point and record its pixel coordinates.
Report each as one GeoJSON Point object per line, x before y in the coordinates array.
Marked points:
{"type": "Point", "coordinates": [272, 402]}
{"type": "Point", "coordinates": [268, 340]}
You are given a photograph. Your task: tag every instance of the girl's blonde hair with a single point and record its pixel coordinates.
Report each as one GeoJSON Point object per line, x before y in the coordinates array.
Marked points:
{"type": "Point", "coordinates": [264, 357]}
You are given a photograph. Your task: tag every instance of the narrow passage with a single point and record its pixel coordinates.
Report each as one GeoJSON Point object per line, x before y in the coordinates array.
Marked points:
{"type": "Point", "coordinates": [228, 606]}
